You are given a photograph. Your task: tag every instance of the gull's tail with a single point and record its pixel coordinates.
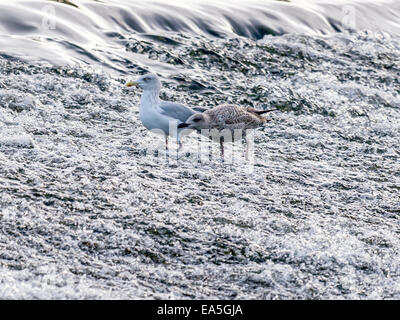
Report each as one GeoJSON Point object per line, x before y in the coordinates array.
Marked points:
{"type": "Point", "coordinates": [199, 109]}
{"type": "Point", "coordinates": [259, 112]}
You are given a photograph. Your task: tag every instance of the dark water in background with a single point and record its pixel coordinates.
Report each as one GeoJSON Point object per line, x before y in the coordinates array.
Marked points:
{"type": "Point", "coordinates": [86, 214]}
{"type": "Point", "coordinates": [97, 33]}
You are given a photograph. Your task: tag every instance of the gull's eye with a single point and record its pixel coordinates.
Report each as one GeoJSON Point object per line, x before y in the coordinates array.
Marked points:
{"type": "Point", "coordinates": [196, 120]}
{"type": "Point", "coordinates": [146, 79]}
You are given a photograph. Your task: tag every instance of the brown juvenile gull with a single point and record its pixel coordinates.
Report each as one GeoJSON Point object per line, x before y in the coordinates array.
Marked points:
{"type": "Point", "coordinates": [226, 118]}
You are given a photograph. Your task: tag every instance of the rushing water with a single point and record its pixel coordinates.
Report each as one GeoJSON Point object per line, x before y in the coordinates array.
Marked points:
{"type": "Point", "coordinates": [86, 212]}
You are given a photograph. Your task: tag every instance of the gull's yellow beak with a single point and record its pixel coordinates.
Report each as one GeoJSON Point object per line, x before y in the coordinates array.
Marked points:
{"type": "Point", "coordinates": [132, 84]}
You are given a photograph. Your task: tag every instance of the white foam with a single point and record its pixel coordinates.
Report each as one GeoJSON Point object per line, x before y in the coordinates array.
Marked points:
{"type": "Point", "coordinates": [22, 140]}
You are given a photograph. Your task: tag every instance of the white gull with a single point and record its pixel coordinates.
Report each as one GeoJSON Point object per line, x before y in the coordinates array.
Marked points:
{"type": "Point", "coordinates": [158, 115]}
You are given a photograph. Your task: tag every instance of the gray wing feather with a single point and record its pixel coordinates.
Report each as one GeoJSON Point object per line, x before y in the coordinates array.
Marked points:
{"type": "Point", "coordinates": [199, 109]}
{"type": "Point", "coordinates": [176, 110]}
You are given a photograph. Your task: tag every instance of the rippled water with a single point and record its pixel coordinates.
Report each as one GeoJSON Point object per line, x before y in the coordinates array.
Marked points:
{"type": "Point", "coordinates": [86, 213]}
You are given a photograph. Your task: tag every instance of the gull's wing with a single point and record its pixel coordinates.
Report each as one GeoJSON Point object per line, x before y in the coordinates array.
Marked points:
{"type": "Point", "coordinates": [178, 111]}
{"type": "Point", "coordinates": [199, 109]}
{"type": "Point", "coordinates": [231, 116]}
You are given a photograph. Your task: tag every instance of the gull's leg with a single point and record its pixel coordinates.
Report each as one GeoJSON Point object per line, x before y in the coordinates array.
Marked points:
{"type": "Point", "coordinates": [221, 144]}
{"type": "Point", "coordinates": [166, 149]}
{"type": "Point", "coordinates": [179, 146]}
{"type": "Point", "coordinates": [178, 140]}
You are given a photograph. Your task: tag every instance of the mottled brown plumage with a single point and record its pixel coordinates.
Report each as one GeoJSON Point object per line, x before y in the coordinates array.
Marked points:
{"type": "Point", "coordinates": [227, 117]}
{"type": "Point", "coordinates": [224, 117]}
{"type": "Point", "coordinates": [234, 117]}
